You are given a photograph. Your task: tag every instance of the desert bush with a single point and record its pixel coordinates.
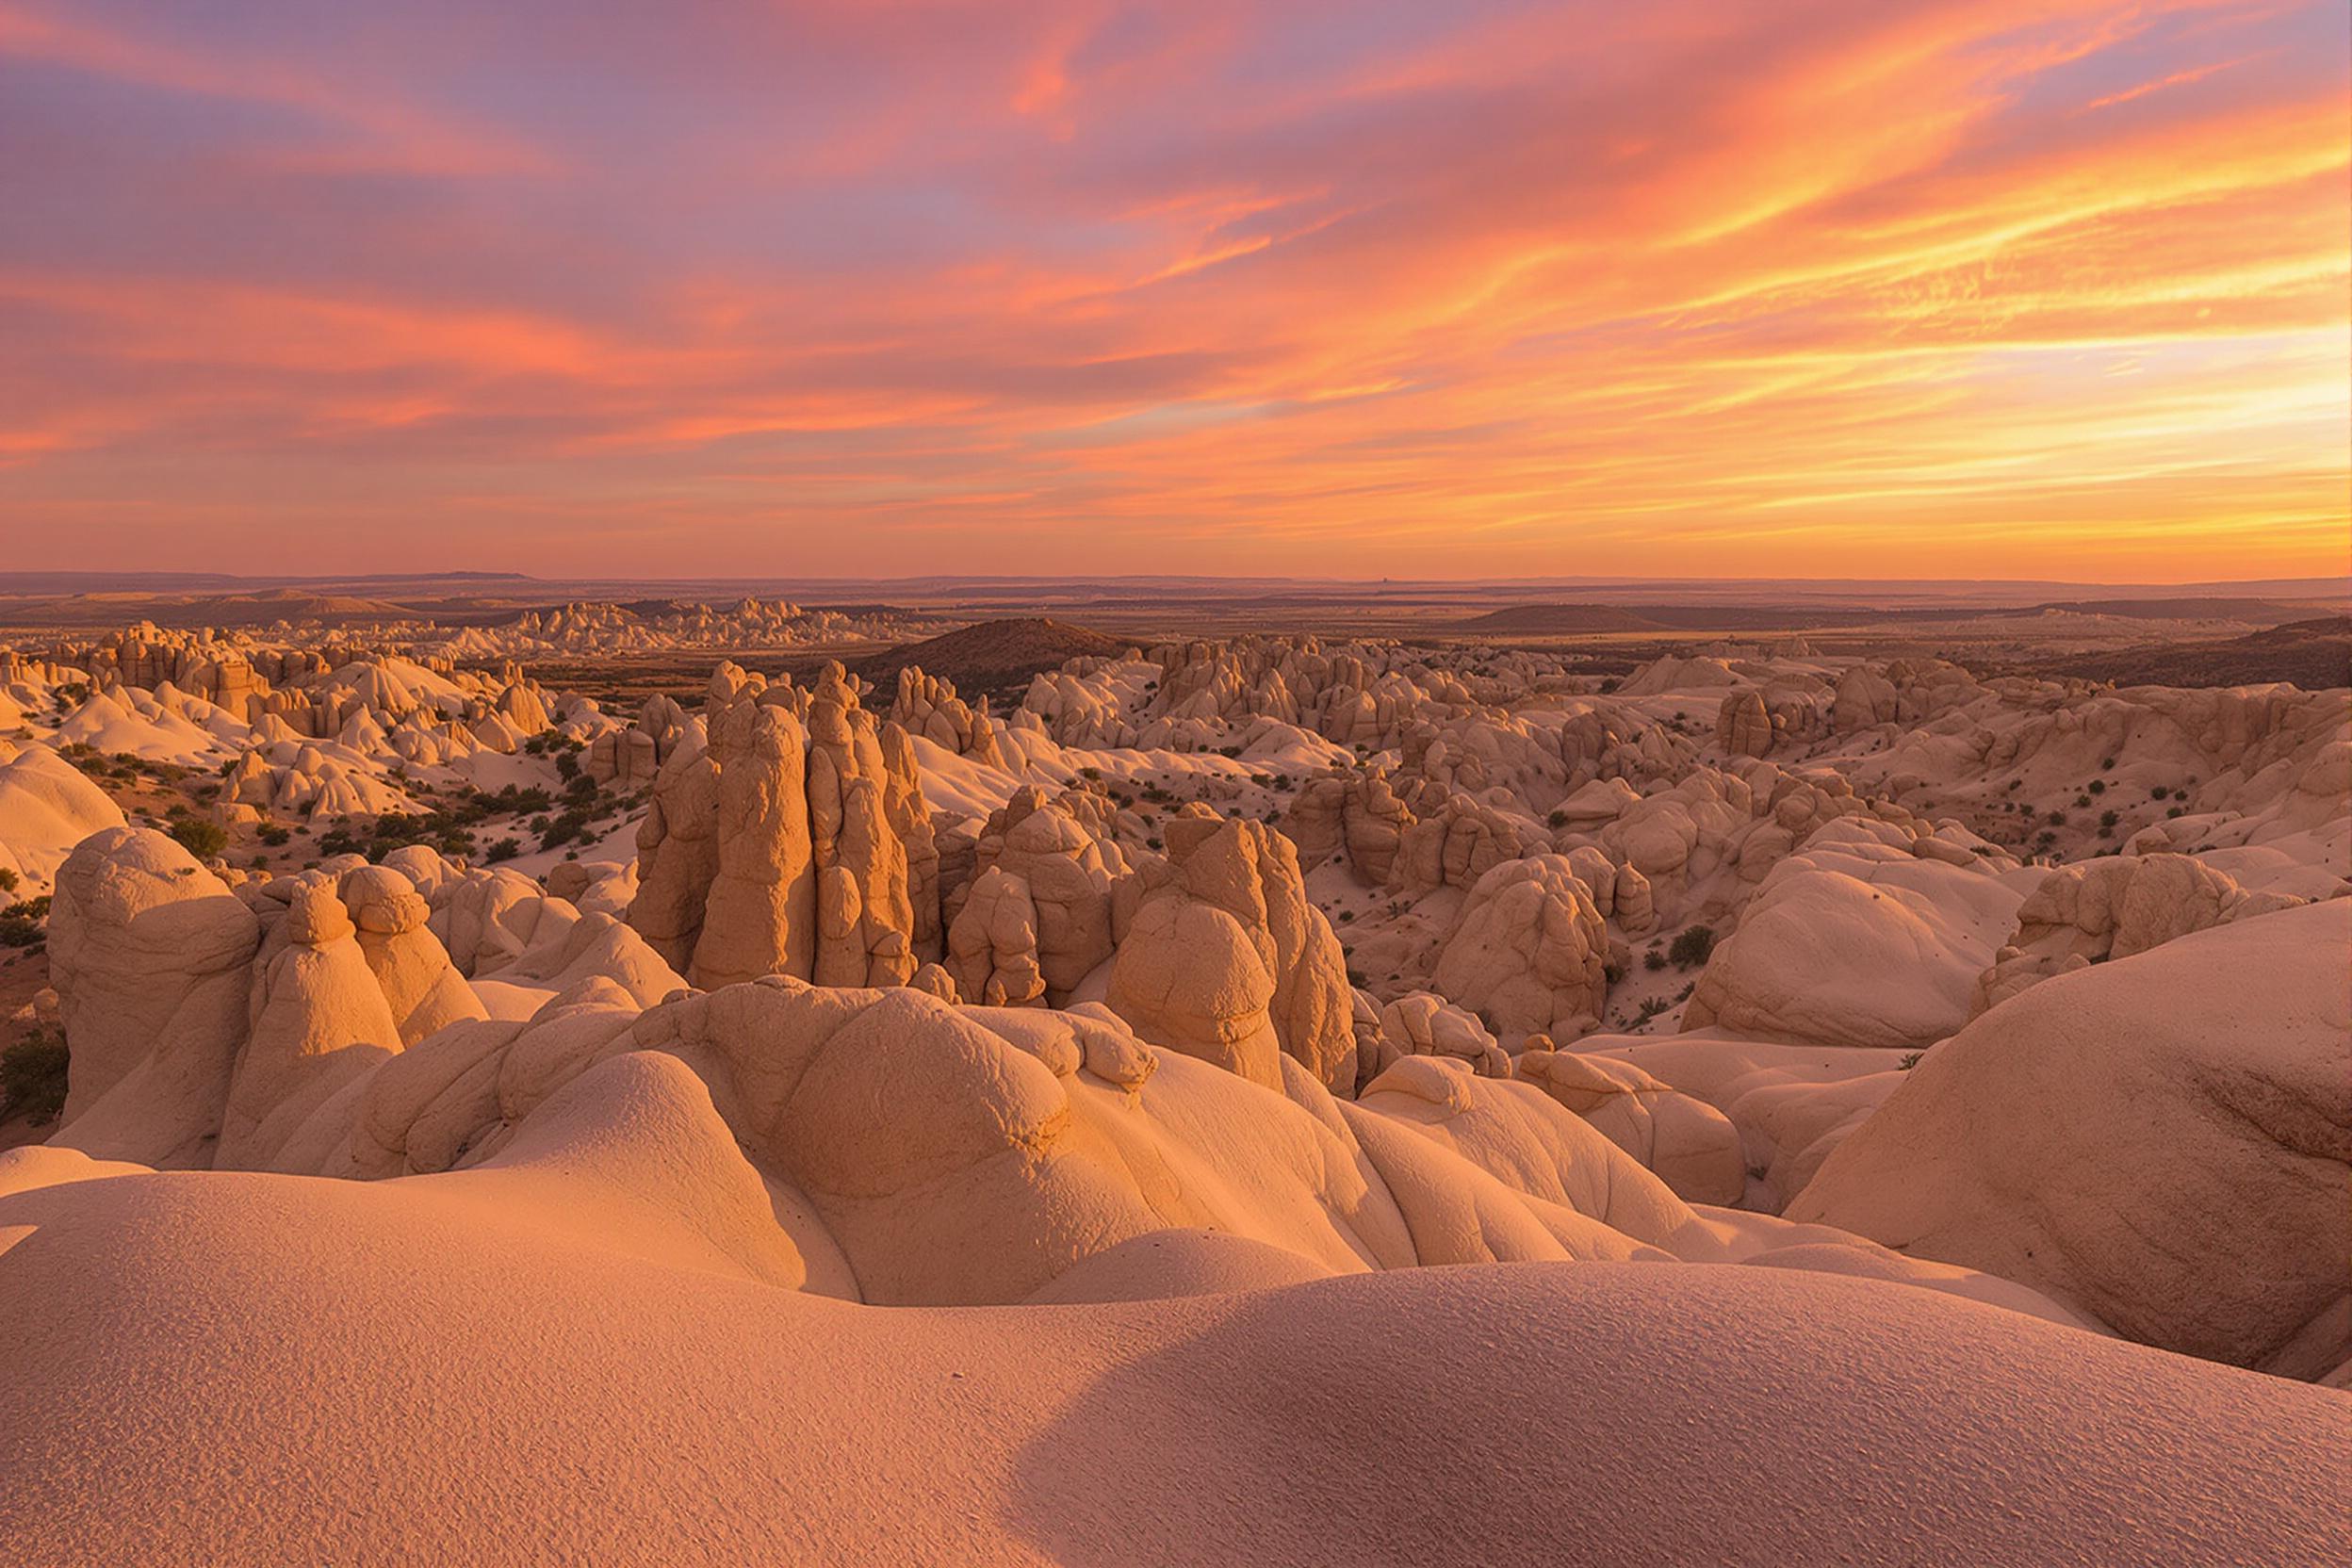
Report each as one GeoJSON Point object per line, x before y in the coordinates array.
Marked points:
{"type": "Point", "coordinates": [24, 924]}
{"type": "Point", "coordinates": [1693, 947]}
{"type": "Point", "coordinates": [201, 839]}
{"type": "Point", "coordinates": [32, 1077]}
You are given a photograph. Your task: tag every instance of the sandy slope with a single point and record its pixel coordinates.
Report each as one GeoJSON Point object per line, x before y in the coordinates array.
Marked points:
{"type": "Point", "coordinates": [571, 1355]}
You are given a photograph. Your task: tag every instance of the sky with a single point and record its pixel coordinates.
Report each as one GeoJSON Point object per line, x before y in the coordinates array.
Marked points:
{"type": "Point", "coordinates": [1864, 288]}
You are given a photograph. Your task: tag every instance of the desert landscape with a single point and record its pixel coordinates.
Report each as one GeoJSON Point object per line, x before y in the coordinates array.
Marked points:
{"type": "Point", "coordinates": [1290, 1052]}
{"type": "Point", "coordinates": [1105, 784]}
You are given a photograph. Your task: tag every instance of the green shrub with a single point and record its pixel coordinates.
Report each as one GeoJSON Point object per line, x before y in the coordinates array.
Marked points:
{"type": "Point", "coordinates": [1693, 947]}
{"type": "Point", "coordinates": [21, 923]}
{"type": "Point", "coordinates": [572, 824]}
{"type": "Point", "coordinates": [32, 1077]}
{"type": "Point", "coordinates": [201, 839]}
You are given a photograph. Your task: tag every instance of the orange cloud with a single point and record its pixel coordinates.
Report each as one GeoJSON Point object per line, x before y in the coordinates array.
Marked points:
{"type": "Point", "coordinates": [1854, 288]}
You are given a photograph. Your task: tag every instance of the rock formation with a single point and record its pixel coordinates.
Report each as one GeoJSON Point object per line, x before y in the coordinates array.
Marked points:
{"type": "Point", "coordinates": [776, 847]}
{"type": "Point", "coordinates": [2184, 1121]}
{"type": "Point", "coordinates": [1221, 956]}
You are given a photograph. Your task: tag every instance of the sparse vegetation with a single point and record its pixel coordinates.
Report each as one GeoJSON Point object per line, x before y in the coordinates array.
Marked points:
{"type": "Point", "coordinates": [33, 1076]}
{"type": "Point", "coordinates": [204, 839]}
{"type": "Point", "coordinates": [1693, 947]}
{"type": "Point", "coordinates": [24, 923]}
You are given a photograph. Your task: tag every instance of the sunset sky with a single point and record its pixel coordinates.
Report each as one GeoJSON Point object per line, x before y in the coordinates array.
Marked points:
{"type": "Point", "coordinates": [1820, 288]}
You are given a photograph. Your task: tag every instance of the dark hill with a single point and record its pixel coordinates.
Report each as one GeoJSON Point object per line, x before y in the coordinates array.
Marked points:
{"type": "Point", "coordinates": [1544, 619]}
{"type": "Point", "coordinates": [2315, 655]}
{"type": "Point", "coordinates": [2258, 612]}
{"type": "Point", "coordinates": [992, 657]}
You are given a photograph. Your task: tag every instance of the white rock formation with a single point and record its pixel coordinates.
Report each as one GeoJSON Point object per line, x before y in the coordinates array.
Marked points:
{"type": "Point", "coordinates": [2164, 1142]}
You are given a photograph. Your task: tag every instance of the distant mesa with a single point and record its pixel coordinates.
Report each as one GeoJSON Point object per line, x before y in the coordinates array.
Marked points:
{"type": "Point", "coordinates": [264, 607]}
{"type": "Point", "coordinates": [2315, 655]}
{"type": "Point", "coordinates": [2208, 607]}
{"type": "Point", "coordinates": [995, 657]}
{"type": "Point", "coordinates": [1536, 619]}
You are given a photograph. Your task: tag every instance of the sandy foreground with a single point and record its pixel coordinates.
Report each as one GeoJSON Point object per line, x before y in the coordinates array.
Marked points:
{"type": "Point", "coordinates": [230, 1367]}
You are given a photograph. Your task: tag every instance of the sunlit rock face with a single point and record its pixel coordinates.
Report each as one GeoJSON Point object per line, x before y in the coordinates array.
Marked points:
{"type": "Point", "coordinates": [775, 848]}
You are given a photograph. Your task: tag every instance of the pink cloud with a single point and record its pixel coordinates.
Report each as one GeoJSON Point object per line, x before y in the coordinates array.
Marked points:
{"type": "Point", "coordinates": [1520, 288]}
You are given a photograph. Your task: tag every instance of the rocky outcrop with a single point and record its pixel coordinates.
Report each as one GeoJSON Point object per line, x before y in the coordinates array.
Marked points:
{"type": "Point", "coordinates": [2112, 907]}
{"type": "Point", "coordinates": [1222, 955]}
{"type": "Point", "coordinates": [1742, 724]}
{"type": "Point", "coordinates": [1529, 953]}
{"type": "Point", "coordinates": [318, 1022]}
{"type": "Point", "coordinates": [2183, 1122]}
{"type": "Point", "coordinates": [151, 955]}
{"type": "Point", "coordinates": [927, 705]}
{"type": "Point", "coordinates": [1689, 1144]}
{"type": "Point", "coordinates": [1044, 879]}
{"type": "Point", "coordinates": [420, 984]}
{"type": "Point", "coordinates": [793, 842]}
{"type": "Point", "coordinates": [1356, 816]}
{"type": "Point", "coordinates": [760, 912]}
{"type": "Point", "coordinates": [1811, 959]}
{"type": "Point", "coordinates": [1422, 1025]}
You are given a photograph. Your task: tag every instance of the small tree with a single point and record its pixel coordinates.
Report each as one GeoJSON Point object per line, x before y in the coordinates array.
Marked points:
{"type": "Point", "coordinates": [1693, 947]}
{"type": "Point", "coordinates": [201, 839]}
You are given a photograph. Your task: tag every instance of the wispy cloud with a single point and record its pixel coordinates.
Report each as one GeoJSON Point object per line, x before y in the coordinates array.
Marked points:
{"type": "Point", "coordinates": [1876, 286]}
